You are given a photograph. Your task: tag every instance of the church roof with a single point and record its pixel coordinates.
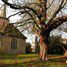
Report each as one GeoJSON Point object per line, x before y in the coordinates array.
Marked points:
{"type": "Point", "coordinates": [9, 29]}
{"type": "Point", "coordinates": [12, 31]}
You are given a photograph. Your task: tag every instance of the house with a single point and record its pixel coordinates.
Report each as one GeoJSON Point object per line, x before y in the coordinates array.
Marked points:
{"type": "Point", "coordinates": [12, 41]}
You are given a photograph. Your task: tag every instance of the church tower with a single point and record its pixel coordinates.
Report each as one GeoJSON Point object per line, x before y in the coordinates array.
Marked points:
{"type": "Point", "coordinates": [3, 10]}
{"type": "Point", "coordinates": [3, 20]}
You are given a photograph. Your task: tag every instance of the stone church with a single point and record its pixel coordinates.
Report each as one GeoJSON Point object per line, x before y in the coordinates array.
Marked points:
{"type": "Point", "coordinates": [12, 41]}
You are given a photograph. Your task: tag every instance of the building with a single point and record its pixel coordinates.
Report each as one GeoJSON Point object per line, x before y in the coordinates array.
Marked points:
{"type": "Point", "coordinates": [12, 41]}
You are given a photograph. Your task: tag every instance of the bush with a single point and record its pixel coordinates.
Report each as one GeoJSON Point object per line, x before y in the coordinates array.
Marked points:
{"type": "Point", "coordinates": [56, 49]}
{"type": "Point", "coordinates": [55, 45]}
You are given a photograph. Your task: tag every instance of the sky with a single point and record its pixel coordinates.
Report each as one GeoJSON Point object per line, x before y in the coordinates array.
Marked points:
{"type": "Point", "coordinates": [30, 37]}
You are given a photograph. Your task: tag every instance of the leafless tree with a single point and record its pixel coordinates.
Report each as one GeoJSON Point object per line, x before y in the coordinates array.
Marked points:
{"type": "Point", "coordinates": [42, 16]}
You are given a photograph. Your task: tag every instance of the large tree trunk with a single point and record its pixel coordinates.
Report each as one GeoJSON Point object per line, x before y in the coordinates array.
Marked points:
{"type": "Point", "coordinates": [43, 48]}
{"type": "Point", "coordinates": [44, 43]}
{"type": "Point", "coordinates": [43, 51]}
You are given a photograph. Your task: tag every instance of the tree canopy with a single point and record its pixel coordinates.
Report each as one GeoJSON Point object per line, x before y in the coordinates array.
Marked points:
{"type": "Point", "coordinates": [34, 13]}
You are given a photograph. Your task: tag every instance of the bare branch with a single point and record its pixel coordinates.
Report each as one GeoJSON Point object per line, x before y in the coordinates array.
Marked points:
{"type": "Point", "coordinates": [1, 6]}
{"type": "Point", "coordinates": [56, 12]}
{"type": "Point", "coordinates": [50, 4]}
{"type": "Point", "coordinates": [14, 14]}
{"type": "Point", "coordinates": [32, 18]}
{"type": "Point", "coordinates": [22, 21]}
{"type": "Point", "coordinates": [57, 22]}
{"type": "Point", "coordinates": [14, 6]}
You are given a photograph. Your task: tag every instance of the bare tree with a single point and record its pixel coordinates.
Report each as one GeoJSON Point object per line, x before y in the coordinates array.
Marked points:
{"type": "Point", "coordinates": [42, 16]}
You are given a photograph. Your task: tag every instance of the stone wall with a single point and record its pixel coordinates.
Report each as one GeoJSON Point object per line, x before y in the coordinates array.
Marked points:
{"type": "Point", "coordinates": [6, 46]}
{"type": "Point", "coordinates": [21, 47]}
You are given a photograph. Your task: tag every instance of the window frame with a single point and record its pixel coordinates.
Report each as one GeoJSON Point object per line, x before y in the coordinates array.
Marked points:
{"type": "Point", "coordinates": [14, 43]}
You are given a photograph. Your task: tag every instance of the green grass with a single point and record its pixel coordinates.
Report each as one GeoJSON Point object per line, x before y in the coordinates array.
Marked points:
{"type": "Point", "coordinates": [29, 60]}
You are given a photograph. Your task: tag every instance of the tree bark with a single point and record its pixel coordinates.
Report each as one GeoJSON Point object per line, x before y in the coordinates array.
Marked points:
{"type": "Point", "coordinates": [43, 52]}
{"type": "Point", "coordinates": [43, 47]}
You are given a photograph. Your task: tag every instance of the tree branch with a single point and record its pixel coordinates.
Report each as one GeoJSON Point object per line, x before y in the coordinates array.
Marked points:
{"type": "Point", "coordinates": [14, 6]}
{"type": "Point", "coordinates": [14, 14]}
{"type": "Point", "coordinates": [57, 22]}
{"type": "Point", "coordinates": [56, 12]}
{"type": "Point", "coordinates": [50, 4]}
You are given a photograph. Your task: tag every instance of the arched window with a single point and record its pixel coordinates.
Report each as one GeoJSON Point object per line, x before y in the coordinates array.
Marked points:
{"type": "Point", "coordinates": [14, 43]}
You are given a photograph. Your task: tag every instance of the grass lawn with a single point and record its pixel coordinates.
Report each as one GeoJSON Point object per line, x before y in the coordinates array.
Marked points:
{"type": "Point", "coordinates": [30, 60]}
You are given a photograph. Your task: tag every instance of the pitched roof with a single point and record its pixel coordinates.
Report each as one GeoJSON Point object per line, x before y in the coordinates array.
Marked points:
{"type": "Point", "coordinates": [12, 31]}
